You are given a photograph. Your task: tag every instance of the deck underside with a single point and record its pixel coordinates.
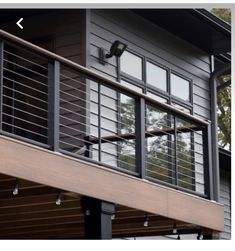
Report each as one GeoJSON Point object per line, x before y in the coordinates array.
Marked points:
{"type": "Point", "coordinates": [42, 174]}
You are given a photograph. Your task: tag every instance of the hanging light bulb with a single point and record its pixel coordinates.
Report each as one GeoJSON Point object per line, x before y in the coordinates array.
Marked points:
{"type": "Point", "coordinates": [58, 200]}
{"type": "Point", "coordinates": [15, 189]}
{"type": "Point", "coordinates": [112, 216]}
{"type": "Point", "coordinates": [200, 236]}
{"type": "Point", "coordinates": [87, 213]}
{"type": "Point", "coordinates": [178, 238]}
{"type": "Point", "coordinates": [146, 221]}
{"type": "Point", "coordinates": [174, 231]}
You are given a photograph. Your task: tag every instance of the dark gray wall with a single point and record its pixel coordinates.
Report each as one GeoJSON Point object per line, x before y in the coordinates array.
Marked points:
{"type": "Point", "coordinates": [155, 43]}
{"type": "Point", "coordinates": [225, 199]}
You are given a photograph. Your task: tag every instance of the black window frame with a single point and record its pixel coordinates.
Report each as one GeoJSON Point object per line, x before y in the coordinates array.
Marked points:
{"type": "Point", "coordinates": [159, 92]}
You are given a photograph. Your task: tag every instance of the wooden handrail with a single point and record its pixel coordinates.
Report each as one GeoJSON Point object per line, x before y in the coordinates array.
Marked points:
{"type": "Point", "coordinates": [5, 36]}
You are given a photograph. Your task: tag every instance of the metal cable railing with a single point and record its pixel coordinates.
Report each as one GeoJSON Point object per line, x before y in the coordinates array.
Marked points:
{"type": "Point", "coordinates": [58, 104]}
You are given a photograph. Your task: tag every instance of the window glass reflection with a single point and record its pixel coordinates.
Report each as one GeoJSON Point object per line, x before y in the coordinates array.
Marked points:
{"type": "Point", "coordinates": [131, 64]}
{"type": "Point", "coordinates": [156, 76]}
{"type": "Point", "coordinates": [179, 87]}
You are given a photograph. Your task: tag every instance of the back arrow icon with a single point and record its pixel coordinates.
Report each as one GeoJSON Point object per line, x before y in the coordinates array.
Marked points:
{"type": "Point", "coordinates": [18, 23]}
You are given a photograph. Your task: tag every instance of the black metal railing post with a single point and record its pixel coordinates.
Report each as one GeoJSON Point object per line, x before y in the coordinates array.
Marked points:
{"type": "Point", "coordinates": [53, 104]}
{"type": "Point", "coordinates": [140, 137]}
{"type": "Point", "coordinates": [1, 81]}
{"type": "Point", "coordinates": [207, 161]}
{"type": "Point", "coordinates": [175, 151]}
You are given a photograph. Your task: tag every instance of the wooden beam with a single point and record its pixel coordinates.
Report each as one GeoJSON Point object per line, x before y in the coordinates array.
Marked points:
{"type": "Point", "coordinates": [14, 233]}
{"type": "Point", "coordinates": [39, 215]}
{"type": "Point", "coordinates": [53, 169]}
{"type": "Point", "coordinates": [47, 221]}
{"type": "Point", "coordinates": [57, 233]}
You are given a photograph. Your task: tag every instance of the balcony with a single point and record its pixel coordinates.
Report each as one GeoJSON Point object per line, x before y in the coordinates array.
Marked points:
{"type": "Point", "coordinates": [66, 108]}
{"type": "Point", "coordinates": [55, 104]}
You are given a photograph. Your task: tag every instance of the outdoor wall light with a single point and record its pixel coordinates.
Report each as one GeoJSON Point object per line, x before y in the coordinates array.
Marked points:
{"type": "Point", "coordinates": [116, 49]}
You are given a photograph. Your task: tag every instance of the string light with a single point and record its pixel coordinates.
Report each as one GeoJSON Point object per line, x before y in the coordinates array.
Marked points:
{"type": "Point", "coordinates": [112, 216]}
{"type": "Point", "coordinates": [146, 221]}
{"type": "Point", "coordinates": [87, 212]}
{"type": "Point", "coordinates": [200, 236]}
{"type": "Point", "coordinates": [15, 189]}
{"type": "Point", "coordinates": [174, 231]}
{"type": "Point", "coordinates": [58, 200]}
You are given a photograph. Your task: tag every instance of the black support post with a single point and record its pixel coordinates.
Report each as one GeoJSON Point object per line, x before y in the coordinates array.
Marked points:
{"type": "Point", "coordinates": [1, 81]}
{"type": "Point", "coordinates": [175, 151]}
{"type": "Point", "coordinates": [140, 137]}
{"type": "Point", "coordinates": [53, 104]}
{"type": "Point", "coordinates": [207, 162]}
{"type": "Point", "coordinates": [97, 215]}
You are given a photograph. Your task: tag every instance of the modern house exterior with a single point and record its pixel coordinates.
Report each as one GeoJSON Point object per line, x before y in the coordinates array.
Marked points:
{"type": "Point", "coordinates": [98, 146]}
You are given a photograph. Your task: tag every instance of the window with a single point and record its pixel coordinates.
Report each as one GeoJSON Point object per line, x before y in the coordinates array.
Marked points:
{"type": "Point", "coordinates": [144, 75]}
{"type": "Point", "coordinates": [156, 76]}
{"type": "Point", "coordinates": [131, 64]}
{"type": "Point", "coordinates": [180, 87]}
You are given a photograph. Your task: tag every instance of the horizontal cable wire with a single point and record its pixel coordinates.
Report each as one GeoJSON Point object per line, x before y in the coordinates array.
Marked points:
{"type": "Point", "coordinates": [23, 111]}
{"type": "Point", "coordinates": [27, 69]}
{"type": "Point", "coordinates": [91, 124]}
{"type": "Point", "coordinates": [23, 129]}
{"type": "Point", "coordinates": [27, 60]}
{"type": "Point", "coordinates": [23, 76]}
{"type": "Point", "coordinates": [27, 104]}
{"type": "Point", "coordinates": [27, 86]}
{"type": "Point", "coordinates": [25, 121]}
{"type": "Point", "coordinates": [24, 94]}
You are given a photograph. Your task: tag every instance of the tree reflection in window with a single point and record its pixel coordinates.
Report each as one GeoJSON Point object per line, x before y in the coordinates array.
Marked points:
{"type": "Point", "coordinates": [127, 127]}
{"type": "Point", "coordinates": [185, 155]}
{"type": "Point", "coordinates": [159, 144]}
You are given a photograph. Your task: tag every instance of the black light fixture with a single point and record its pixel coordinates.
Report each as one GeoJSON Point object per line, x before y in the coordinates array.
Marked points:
{"type": "Point", "coordinates": [116, 49]}
{"type": "Point", "coordinates": [178, 238]}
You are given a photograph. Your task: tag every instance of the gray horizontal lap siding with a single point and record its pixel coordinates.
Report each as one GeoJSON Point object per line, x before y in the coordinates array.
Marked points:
{"type": "Point", "coordinates": [225, 199]}
{"type": "Point", "coordinates": [154, 43]}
